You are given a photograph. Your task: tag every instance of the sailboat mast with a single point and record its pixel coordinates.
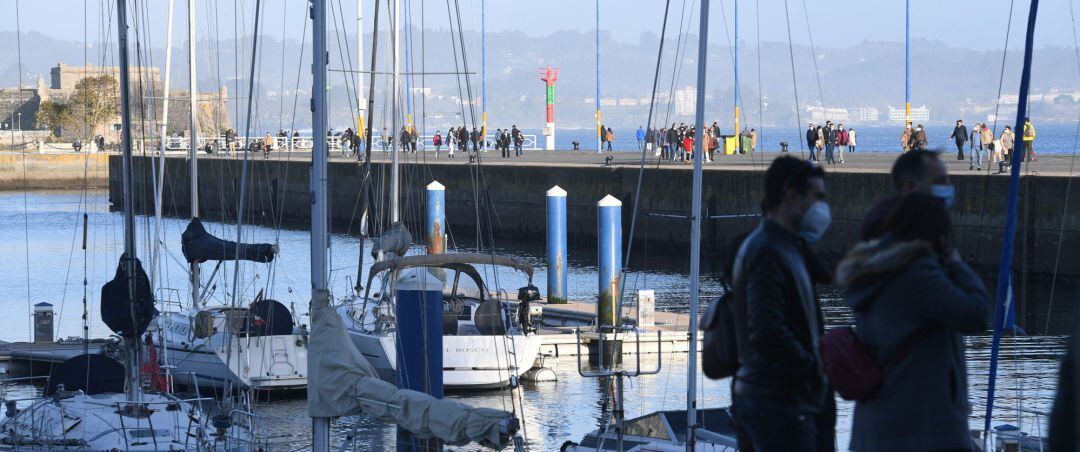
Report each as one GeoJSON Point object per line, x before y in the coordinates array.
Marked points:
{"type": "Point", "coordinates": [132, 344]}
{"type": "Point", "coordinates": [695, 226]}
{"type": "Point", "coordinates": [319, 212]}
{"type": "Point", "coordinates": [599, 121]}
{"type": "Point", "coordinates": [907, 62]}
{"type": "Point", "coordinates": [159, 183]}
{"type": "Point", "coordinates": [193, 156]}
{"type": "Point", "coordinates": [736, 51]}
{"type": "Point", "coordinates": [395, 173]}
{"type": "Point", "coordinates": [1005, 261]}
{"type": "Point", "coordinates": [361, 104]}
{"type": "Point", "coordinates": [365, 180]}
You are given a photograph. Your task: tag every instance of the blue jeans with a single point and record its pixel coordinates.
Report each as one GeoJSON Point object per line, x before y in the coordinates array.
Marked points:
{"type": "Point", "coordinates": [774, 425]}
{"type": "Point", "coordinates": [829, 154]}
{"type": "Point", "coordinates": [976, 158]}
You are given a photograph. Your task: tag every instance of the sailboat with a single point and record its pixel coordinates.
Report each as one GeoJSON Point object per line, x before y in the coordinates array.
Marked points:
{"type": "Point", "coordinates": [692, 429]}
{"type": "Point", "coordinates": [484, 344]}
{"type": "Point", "coordinates": [92, 402]}
{"type": "Point", "coordinates": [343, 382]}
{"type": "Point", "coordinates": [218, 347]}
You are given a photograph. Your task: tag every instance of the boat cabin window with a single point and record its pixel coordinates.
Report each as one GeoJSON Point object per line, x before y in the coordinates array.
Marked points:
{"type": "Point", "coordinates": [651, 426]}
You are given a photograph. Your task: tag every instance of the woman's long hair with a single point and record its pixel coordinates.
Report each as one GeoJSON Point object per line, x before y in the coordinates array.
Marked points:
{"type": "Point", "coordinates": [921, 216]}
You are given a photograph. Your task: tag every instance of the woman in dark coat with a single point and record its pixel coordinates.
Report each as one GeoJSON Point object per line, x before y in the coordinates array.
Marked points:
{"type": "Point", "coordinates": [914, 300]}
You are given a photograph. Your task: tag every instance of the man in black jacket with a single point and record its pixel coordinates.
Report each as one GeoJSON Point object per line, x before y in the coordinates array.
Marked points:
{"type": "Point", "coordinates": [960, 136]}
{"type": "Point", "coordinates": [811, 140]}
{"type": "Point", "coordinates": [782, 401]}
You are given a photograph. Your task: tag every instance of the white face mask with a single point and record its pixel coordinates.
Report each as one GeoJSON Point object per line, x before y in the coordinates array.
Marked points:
{"type": "Point", "coordinates": [945, 192]}
{"type": "Point", "coordinates": [815, 221]}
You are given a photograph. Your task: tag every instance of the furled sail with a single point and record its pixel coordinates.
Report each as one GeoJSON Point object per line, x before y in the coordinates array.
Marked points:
{"type": "Point", "coordinates": [200, 246]}
{"type": "Point", "coordinates": [125, 313]}
{"type": "Point", "coordinates": [342, 382]}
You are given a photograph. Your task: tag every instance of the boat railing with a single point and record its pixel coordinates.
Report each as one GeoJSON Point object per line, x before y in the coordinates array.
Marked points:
{"type": "Point", "coordinates": [605, 371]}
{"type": "Point", "coordinates": [169, 299]}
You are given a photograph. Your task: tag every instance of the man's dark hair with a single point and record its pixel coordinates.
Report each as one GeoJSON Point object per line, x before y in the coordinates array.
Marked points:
{"type": "Point", "coordinates": [911, 165]}
{"type": "Point", "coordinates": [921, 216]}
{"type": "Point", "coordinates": [787, 173]}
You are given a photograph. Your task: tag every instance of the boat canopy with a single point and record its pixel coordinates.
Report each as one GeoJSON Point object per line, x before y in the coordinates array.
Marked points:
{"type": "Point", "coordinates": [463, 262]}
{"type": "Point", "coordinates": [342, 382]}
{"type": "Point", "coordinates": [92, 374]}
{"type": "Point", "coordinates": [200, 246]}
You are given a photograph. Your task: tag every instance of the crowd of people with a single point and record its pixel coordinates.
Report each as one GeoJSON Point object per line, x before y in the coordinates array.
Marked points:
{"type": "Point", "coordinates": [675, 143]}
{"type": "Point", "coordinates": [834, 140]}
{"type": "Point", "coordinates": [983, 145]}
{"type": "Point", "coordinates": [913, 300]}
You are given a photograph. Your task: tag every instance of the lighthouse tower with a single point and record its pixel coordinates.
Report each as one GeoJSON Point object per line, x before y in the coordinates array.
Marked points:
{"type": "Point", "coordinates": [549, 76]}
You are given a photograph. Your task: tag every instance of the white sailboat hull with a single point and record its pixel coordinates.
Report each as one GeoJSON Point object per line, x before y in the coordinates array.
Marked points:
{"type": "Point", "coordinates": [258, 362]}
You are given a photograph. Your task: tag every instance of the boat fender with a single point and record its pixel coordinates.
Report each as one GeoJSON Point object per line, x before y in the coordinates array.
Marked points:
{"type": "Point", "coordinates": [204, 325]}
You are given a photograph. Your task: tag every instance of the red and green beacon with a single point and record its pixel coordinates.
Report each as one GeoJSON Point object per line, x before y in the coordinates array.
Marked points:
{"type": "Point", "coordinates": [549, 75]}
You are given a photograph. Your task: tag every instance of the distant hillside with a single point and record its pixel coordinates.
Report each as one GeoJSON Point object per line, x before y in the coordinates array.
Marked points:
{"type": "Point", "coordinates": [868, 74]}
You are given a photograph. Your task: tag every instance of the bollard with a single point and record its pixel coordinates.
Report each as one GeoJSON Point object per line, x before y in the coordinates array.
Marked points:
{"type": "Point", "coordinates": [43, 322]}
{"type": "Point", "coordinates": [610, 259]}
{"type": "Point", "coordinates": [436, 218]}
{"type": "Point", "coordinates": [419, 340]}
{"type": "Point", "coordinates": [556, 245]}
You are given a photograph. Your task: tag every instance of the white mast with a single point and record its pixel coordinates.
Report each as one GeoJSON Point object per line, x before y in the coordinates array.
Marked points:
{"type": "Point", "coordinates": [395, 177]}
{"type": "Point", "coordinates": [320, 426]}
{"type": "Point", "coordinates": [360, 101]}
{"type": "Point", "coordinates": [695, 225]}
{"type": "Point", "coordinates": [196, 281]}
{"type": "Point", "coordinates": [159, 184]}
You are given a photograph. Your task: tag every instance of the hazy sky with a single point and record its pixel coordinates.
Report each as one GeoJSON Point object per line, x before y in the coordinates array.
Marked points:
{"type": "Point", "coordinates": [976, 24]}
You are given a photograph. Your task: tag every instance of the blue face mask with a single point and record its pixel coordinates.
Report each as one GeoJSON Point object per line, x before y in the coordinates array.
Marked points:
{"type": "Point", "coordinates": [945, 192]}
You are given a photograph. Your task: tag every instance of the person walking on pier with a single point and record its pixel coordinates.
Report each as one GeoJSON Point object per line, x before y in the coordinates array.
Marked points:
{"type": "Point", "coordinates": [688, 146]}
{"type": "Point", "coordinates": [640, 135]}
{"type": "Point", "coordinates": [922, 402]}
{"type": "Point", "coordinates": [1029, 141]}
{"type": "Point", "coordinates": [811, 140]}
{"type": "Point", "coordinates": [851, 143]}
{"type": "Point", "coordinates": [782, 400]}
{"type": "Point", "coordinates": [463, 140]}
{"type": "Point", "coordinates": [477, 139]}
{"type": "Point", "coordinates": [959, 136]}
{"type": "Point", "coordinates": [920, 140]}
{"type": "Point", "coordinates": [436, 140]}
{"type": "Point", "coordinates": [830, 143]}
{"type": "Point", "coordinates": [519, 139]}
{"type": "Point", "coordinates": [609, 137]}
{"type": "Point", "coordinates": [753, 138]}
{"type": "Point", "coordinates": [841, 142]}
{"type": "Point", "coordinates": [1008, 143]}
{"type": "Point", "coordinates": [916, 171]}
{"type": "Point", "coordinates": [905, 138]}
{"type": "Point", "coordinates": [975, 137]}
{"type": "Point", "coordinates": [650, 141]}
{"type": "Point", "coordinates": [986, 141]}
{"type": "Point", "coordinates": [672, 142]}
{"type": "Point", "coordinates": [819, 142]}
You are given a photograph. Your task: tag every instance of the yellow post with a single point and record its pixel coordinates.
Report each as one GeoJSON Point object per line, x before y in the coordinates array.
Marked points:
{"type": "Point", "coordinates": [739, 137]}
{"type": "Point", "coordinates": [907, 113]}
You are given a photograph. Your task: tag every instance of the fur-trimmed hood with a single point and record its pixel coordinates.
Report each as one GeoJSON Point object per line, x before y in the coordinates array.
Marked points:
{"type": "Point", "coordinates": [879, 257]}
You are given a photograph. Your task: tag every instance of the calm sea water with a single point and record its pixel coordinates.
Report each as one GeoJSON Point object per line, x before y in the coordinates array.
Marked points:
{"type": "Point", "coordinates": [42, 259]}
{"type": "Point", "coordinates": [1050, 138]}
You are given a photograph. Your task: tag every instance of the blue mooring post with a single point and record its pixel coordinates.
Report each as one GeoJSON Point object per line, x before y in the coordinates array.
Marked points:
{"type": "Point", "coordinates": [419, 309]}
{"type": "Point", "coordinates": [610, 259]}
{"type": "Point", "coordinates": [556, 245]}
{"type": "Point", "coordinates": [436, 218]}
{"type": "Point", "coordinates": [608, 351]}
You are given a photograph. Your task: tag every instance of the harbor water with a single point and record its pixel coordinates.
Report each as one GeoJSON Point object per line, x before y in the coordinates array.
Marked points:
{"type": "Point", "coordinates": [42, 260]}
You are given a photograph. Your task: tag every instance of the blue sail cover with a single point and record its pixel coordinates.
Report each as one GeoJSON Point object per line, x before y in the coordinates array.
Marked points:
{"type": "Point", "coordinates": [200, 246]}
{"type": "Point", "coordinates": [116, 302]}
